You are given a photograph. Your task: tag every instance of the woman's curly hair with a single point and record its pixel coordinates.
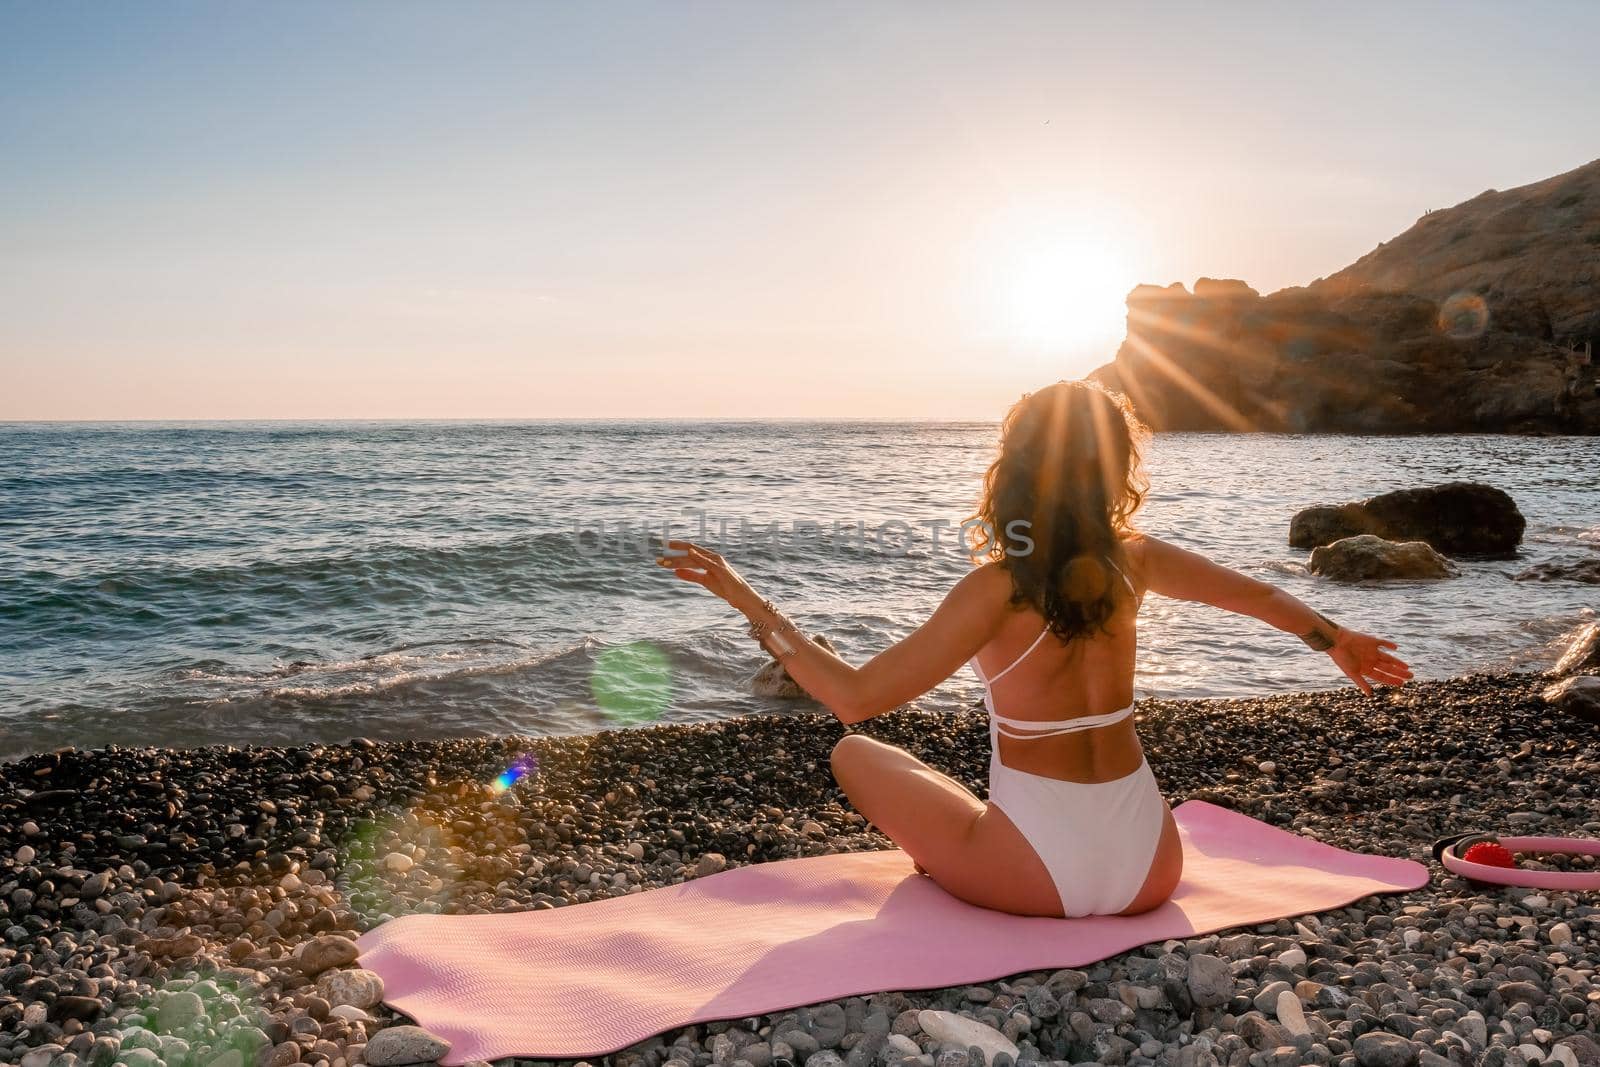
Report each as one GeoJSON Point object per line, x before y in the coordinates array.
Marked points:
{"type": "Point", "coordinates": [1058, 500]}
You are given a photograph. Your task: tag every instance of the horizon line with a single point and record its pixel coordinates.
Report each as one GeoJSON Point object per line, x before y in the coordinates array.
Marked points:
{"type": "Point", "coordinates": [502, 418]}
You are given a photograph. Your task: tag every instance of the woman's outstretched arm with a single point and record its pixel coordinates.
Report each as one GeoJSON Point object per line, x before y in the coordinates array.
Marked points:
{"type": "Point", "coordinates": [955, 632]}
{"type": "Point", "coordinates": [1177, 572]}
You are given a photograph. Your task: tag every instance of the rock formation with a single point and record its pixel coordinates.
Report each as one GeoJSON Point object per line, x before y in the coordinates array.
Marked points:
{"type": "Point", "coordinates": [1456, 518]}
{"type": "Point", "coordinates": [1365, 558]}
{"type": "Point", "coordinates": [1481, 318]}
{"type": "Point", "coordinates": [1537, 247]}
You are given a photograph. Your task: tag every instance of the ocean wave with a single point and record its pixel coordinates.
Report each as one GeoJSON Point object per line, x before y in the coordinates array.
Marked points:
{"type": "Point", "coordinates": [146, 479]}
{"type": "Point", "coordinates": [713, 660]}
{"type": "Point", "coordinates": [1548, 638]}
{"type": "Point", "coordinates": [526, 566]}
{"type": "Point", "coordinates": [410, 665]}
{"type": "Point", "coordinates": [270, 582]}
{"type": "Point", "coordinates": [383, 571]}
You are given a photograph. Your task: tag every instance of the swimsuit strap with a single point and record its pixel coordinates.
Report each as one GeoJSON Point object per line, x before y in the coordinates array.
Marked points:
{"type": "Point", "coordinates": [1027, 729]}
{"type": "Point", "coordinates": [990, 680]}
{"type": "Point", "coordinates": [1019, 659]}
{"type": "Point", "coordinates": [1128, 581]}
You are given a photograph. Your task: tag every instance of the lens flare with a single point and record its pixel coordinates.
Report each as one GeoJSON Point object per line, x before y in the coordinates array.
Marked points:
{"type": "Point", "coordinates": [398, 864]}
{"type": "Point", "coordinates": [522, 768]}
{"type": "Point", "coordinates": [1463, 316]}
{"type": "Point", "coordinates": [197, 1019]}
{"type": "Point", "coordinates": [632, 683]}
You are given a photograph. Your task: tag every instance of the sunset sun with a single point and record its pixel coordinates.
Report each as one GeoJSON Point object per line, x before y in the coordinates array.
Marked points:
{"type": "Point", "coordinates": [1059, 283]}
{"type": "Point", "coordinates": [1066, 294]}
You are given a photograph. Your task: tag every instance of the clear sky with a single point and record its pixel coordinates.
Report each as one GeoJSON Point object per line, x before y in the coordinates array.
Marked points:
{"type": "Point", "coordinates": [455, 210]}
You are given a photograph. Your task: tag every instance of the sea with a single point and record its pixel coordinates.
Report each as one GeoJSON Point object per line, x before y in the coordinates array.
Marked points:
{"type": "Point", "coordinates": [277, 582]}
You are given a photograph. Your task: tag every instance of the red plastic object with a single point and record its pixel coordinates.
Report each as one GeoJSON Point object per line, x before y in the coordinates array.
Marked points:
{"type": "Point", "coordinates": [1490, 854]}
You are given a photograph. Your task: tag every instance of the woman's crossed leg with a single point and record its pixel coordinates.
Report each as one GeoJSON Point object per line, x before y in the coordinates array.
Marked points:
{"type": "Point", "coordinates": [970, 848]}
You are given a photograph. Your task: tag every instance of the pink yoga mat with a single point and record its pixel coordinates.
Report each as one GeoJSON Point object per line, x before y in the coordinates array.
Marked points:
{"type": "Point", "coordinates": [592, 978]}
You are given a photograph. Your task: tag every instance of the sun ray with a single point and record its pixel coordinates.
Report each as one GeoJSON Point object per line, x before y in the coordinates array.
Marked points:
{"type": "Point", "coordinates": [1163, 364]}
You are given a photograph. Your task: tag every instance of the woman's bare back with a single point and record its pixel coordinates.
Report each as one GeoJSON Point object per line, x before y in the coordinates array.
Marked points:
{"type": "Point", "coordinates": [1092, 675]}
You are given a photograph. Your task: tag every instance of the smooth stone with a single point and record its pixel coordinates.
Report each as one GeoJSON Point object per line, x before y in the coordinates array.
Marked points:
{"type": "Point", "coordinates": [1380, 1049]}
{"type": "Point", "coordinates": [325, 952]}
{"type": "Point", "coordinates": [362, 988]}
{"type": "Point", "coordinates": [178, 1011]}
{"type": "Point", "coordinates": [1267, 999]}
{"type": "Point", "coordinates": [1262, 1034]}
{"type": "Point", "coordinates": [1584, 1048]}
{"type": "Point", "coordinates": [1210, 981]}
{"type": "Point", "coordinates": [283, 1054]}
{"type": "Point", "coordinates": [396, 1045]}
{"type": "Point", "coordinates": [804, 1045]}
{"type": "Point", "coordinates": [901, 1044]}
{"type": "Point", "coordinates": [1291, 1014]}
{"type": "Point", "coordinates": [956, 1029]}
{"type": "Point", "coordinates": [1474, 1028]}
{"type": "Point", "coordinates": [827, 1025]}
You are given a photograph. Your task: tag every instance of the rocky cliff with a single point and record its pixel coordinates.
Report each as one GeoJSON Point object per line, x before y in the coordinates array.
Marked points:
{"type": "Point", "coordinates": [1484, 317]}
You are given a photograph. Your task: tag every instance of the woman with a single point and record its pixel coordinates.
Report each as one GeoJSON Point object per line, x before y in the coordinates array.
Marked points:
{"type": "Point", "coordinates": [1074, 819]}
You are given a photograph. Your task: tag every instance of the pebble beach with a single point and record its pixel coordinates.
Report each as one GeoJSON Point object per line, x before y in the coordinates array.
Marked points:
{"type": "Point", "coordinates": [199, 906]}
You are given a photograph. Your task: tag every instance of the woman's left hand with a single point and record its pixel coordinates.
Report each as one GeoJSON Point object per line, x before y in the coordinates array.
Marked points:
{"type": "Point", "coordinates": [1364, 659]}
{"type": "Point", "coordinates": [704, 567]}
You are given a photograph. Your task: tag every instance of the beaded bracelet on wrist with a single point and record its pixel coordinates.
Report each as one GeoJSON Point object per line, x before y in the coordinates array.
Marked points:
{"type": "Point", "coordinates": [759, 629]}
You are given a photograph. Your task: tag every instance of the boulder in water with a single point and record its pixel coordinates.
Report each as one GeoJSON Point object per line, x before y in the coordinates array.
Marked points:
{"type": "Point", "coordinates": [1583, 653]}
{"type": "Point", "coordinates": [773, 681]}
{"type": "Point", "coordinates": [1365, 557]}
{"type": "Point", "coordinates": [1457, 518]}
{"type": "Point", "coordinates": [1575, 570]}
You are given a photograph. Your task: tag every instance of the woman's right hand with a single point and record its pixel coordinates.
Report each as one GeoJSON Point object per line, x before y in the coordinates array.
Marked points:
{"type": "Point", "coordinates": [1363, 659]}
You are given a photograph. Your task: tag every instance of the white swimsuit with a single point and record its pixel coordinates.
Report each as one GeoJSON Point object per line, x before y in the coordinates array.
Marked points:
{"type": "Point", "coordinates": [1097, 839]}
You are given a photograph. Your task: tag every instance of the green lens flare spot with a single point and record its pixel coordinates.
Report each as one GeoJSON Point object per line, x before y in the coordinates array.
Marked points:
{"type": "Point", "coordinates": [632, 683]}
